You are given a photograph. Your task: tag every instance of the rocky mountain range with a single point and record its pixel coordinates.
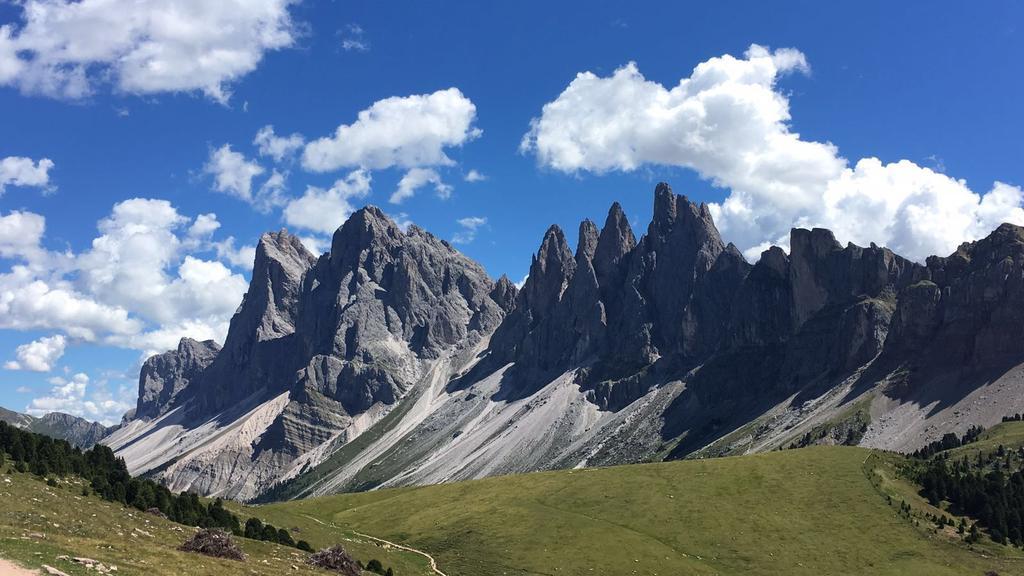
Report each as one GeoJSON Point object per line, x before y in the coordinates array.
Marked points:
{"type": "Point", "coordinates": [394, 359]}
{"type": "Point", "coordinates": [77, 431]}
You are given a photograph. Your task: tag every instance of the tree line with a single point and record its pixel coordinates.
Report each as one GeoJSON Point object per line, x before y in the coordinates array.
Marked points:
{"type": "Point", "coordinates": [109, 479]}
{"type": "Point", "coordinates": [989, 494]}
{"type": "Point", "coordinates": [948, 442]}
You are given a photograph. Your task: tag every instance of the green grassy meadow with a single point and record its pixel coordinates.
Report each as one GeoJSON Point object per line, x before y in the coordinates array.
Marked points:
{"type": "Point", "coordinates": [814, 511]}
{"type": "Point", "coordinates": [818, 510]}
{"type": "Point", "coordinates": [38, 523]}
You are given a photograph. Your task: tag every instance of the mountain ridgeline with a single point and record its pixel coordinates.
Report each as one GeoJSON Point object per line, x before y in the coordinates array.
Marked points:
{"type": "Point", "coordinates": [79, 432]}
{"type": "Point", "coordinates": [394, 359]}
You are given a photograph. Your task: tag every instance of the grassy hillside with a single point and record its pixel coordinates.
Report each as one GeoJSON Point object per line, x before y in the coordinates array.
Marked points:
{"type": "Point", "coordinates": [38, 523]}
{"type": "Point", "coordinates": [1006, 434]}
{"type": "Point", "coordinates": [819, 510]}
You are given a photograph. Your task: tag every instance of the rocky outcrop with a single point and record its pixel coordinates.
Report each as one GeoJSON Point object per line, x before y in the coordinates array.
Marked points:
{"type": "Point", "coordinates": [316, 344]}
{"type": "Point", "coordinates": [374, 316]}
{"type": "Point", "coordinates": [164, 376]}
{"type": "Point", "coordinates": [967, 310]}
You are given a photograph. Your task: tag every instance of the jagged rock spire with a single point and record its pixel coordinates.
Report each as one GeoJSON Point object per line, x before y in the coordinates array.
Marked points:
{"type": "Point", "coordinates": [587, 244]}
{"type": "Point", "coordinates": [615, 242]}
{"type": "Point", "coordinates": [550, 271]}
{"type": "Point", "coordinates": [271, 302]}
{"type": "Point", "coordinates": [504, 293]}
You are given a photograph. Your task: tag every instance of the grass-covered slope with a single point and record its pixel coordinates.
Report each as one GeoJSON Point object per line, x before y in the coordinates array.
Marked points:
{"type": "Point", "coordinates": [39, 523]}
{"type": "Point", "coordinates": [1007, 434]}
{"type": "Point", "coordinates": [813, 511]}
{"type": "Point", "coordinates": [820, 510]}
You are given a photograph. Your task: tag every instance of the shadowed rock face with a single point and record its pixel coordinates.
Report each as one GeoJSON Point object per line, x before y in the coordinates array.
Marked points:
{"type": "Point", "coordinates": [618, 306]}
{"type": "Point", "coordinates": [679, 319]}
{"type": "Point", "coordinates": [968, 309]}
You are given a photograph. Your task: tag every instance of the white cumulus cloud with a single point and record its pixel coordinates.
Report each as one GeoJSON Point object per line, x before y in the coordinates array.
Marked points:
{"type": "Point", "coordinates": [729, 122]}
{"type": "Point", "coordinates": [232, 172]}
{"type": "Point", "coordinates": [203, 226]}
{"type": "Point", "coordinates": [474, 176]}
{"type": "Point", "coordinates": [27, 302]}
{"type": "Point", "coordinates": [39, 355]}
{"type": "Point", "coordinates": [77, 396]}
{"type": "Point", "coordinates": [65, 48]}
{"type": "Point", "coordinates": [415, 179]}
{"type": "Point", "coordinates": [241, 257]}
{"type": "Point", "coordinates": [277, 147]}
{"type": "Point", "coordinates": [138, 263]}
{"type": "Point", "coordinates": [65, 396]}
{"type": "Point", "coordinates": [407, 132]}
{"type": "Point", "coordinates": [140, 284]}
{"type": "Point", "coordinates": [20, 235]}
{"type": "Point", "coordinates": [323, 211]}
{"type": "Point", "coordinates": [21, 171]}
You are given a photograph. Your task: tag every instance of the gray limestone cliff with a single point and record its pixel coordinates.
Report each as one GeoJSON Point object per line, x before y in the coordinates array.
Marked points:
{"type": "Point", "coordinates": [615, 350]}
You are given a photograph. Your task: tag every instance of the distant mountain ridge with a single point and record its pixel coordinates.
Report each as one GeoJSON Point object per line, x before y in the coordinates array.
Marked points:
{"type": "Point", "coordinates": [77, 431]}
{"type": "Point", "coordinates": [393, 359]}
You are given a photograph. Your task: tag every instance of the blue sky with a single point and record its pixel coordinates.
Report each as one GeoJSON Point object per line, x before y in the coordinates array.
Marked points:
{"type": "Point", "coordinates": [808, 129]}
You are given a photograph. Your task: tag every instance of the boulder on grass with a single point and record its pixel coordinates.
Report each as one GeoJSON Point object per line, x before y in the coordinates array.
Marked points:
{"type": "Point", "coordinates": [336, 559]}
{"type": "Point", "coordinates": [213, 542]}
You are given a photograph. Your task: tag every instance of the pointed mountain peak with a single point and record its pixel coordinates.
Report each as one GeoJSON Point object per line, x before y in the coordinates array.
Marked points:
{"type": "Point", "coordinates": [776, 260]}
{"type": "Point", "coordinates": [670, 208]}
{"type": "Point", "coordinates": [368, 213]}
{"type": "Point", "coordinates": [366, 227]}
{"type": "Point", "coordinates": [553, 248]}
{"type": "Point", "coordinates": [280, 238]}
{"type": "Point", "coordinates": [550, 270]}
{"type": "Point", "coordinates": [282, 247]}
{"type": "Point", "coordinates": [664, 205]}
{"type": "Point", "coordinates": [504, 293]}
{"type": "Point", "coordinates": [1007, 232]}
{"type": "Point", "coordinates": [587, 244]}
{"type": "Point", "coordinates": [554, 256]}
{"type": "Point", "coordinates": [616, 215]}
{"type": "Point", "coordinates": [269, 303]}
{"type": "Point", "coordinates": [617, 235]}
{"type": "Point", "coordinates": [368, 217]}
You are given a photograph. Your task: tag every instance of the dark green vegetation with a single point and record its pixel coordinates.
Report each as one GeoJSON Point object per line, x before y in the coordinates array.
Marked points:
{"type": "Point", "coordinates": [109, 478]}
{"type": "Point", "coordinates": [819, 510]}
{"type": "Point", "coordinates": [987, 484]}
{"type": "Point", "coordinates": [948, 442]}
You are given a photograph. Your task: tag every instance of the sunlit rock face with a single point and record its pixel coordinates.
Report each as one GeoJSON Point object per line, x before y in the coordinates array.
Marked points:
{"type": "Point", "coordinates": [615, 350]}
